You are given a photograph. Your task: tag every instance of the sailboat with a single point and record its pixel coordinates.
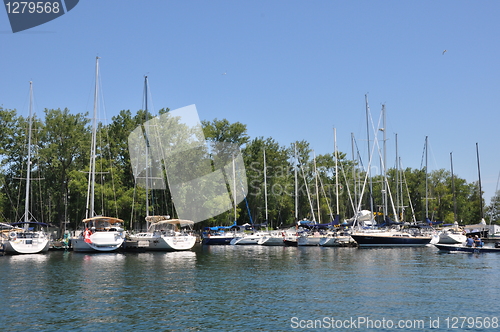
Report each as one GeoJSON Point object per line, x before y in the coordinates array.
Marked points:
{"type": "Point", "coordinates": [452, 235]}
{"type": "Point", "coordinates": [219, 235]}
{"type": "Point", "coordinates": [272, 238]}
{"type": "Point", "coordinates": [313, 232]}
{"type": "Point", "coordinates": [338, 237]}
{"type": "Point", "coordinates": [163, 233]}
{"type": "Point", "coordinates": [101, 234]}
{"type": "Point", "coordinates": [290, 237]}
{"type": "Point", "coordinates": [392, 237]}
{"type": "Point", "coordinates": [480, 229]}
{"type": "Point", "coordinates": [22, 237]}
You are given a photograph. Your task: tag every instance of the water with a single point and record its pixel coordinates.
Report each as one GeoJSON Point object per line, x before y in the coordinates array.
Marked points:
{"type": "Point", "coordinates": [250, 288]}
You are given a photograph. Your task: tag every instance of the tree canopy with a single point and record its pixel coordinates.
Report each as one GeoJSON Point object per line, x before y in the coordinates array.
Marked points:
{"type": "Point", "coordinates": [291, 183]}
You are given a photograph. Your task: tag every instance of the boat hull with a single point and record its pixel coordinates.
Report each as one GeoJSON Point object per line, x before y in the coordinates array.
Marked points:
{"type": "Point", "coordinates": [338, 241]}
{"type": "Point", "coordinates": [451, 238]}
{"type": "Point", "coordinates": [373, 240]}
{"type": "Point", "coordinates": [244, 241]}
{"type": "Point", "coordinates": [165, 243]}
{"type": "Point", "coordinates": [290, 241]}
{"type": "Point", "coordinates": [247, 239]}
{"type": "Point", "coordinates": [461, 248]}
{"type": "Point", "coordinates": [26, 246]}
{"type": "Point", "coordinates": [99, 242]}
{"type": "Point", "coordinates": [309, 240]}
{"type": "Point", "coordinates": [271, 241]}
{"type": "Point", "coordinates": [217, 240]}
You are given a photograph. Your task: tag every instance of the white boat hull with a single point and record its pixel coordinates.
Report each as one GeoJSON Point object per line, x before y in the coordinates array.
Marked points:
{"type": "Point", "coordinates": [99, 242]}
{"type": "Point", "coordinates": [451, 238]}
{"type": "Point", "coordinates": [309, 240]}
{"type": "Point", "coordinates": [272, 240]}
{"type": "Point", "coordinates": [33, 245]}
{"type": "Point", "coordinates": [250, 239]}
{"type": "Point", "coordinates": [335, 241]}
{"type": "Point", "coordinates": [149, 241]}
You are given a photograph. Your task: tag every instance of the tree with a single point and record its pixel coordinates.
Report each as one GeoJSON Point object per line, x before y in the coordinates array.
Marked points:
{"type": "Point", "coordinates": [65, 142]}
{"type": "Point", "coordinates": [223, 131]}
{"type": "Point", "coordinates": [12, 151]}
{"type": "Point", "coordinates": [493, 210]}
{"type": "Point", "coordinates": [278, 179]}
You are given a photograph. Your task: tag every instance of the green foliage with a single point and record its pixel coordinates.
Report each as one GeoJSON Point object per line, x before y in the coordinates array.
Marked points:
{"type": "Point", "coordinates": [223, 131]}
{"type": "Point", "coordinates": [61, 162]}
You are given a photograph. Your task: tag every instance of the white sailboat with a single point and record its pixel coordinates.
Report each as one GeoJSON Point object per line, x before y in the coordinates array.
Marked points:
{"type": "Point", "coordinates": [273, 237]}
{"type": "Point", "coordinates": [101, 234]}
{"type": "Point", "coordinates": [163, 233]}
{"type": "Point", "coordinates": [455, 234]}
{"type": "Point", "coordinates": [246, 239]}
{"type": "Point", "coordinates": [24, 238]}
{"type": "Point", "coordinates": [338, 237]}
{"type": "Point", "coordinates": [290, 238]}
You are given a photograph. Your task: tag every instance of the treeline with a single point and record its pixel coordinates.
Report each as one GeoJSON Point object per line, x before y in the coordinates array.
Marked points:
{"type": "Point", "coordinates": [60, 164]}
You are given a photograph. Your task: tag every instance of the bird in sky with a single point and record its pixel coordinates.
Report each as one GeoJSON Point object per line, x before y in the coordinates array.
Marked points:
{"type": "Point", "coordinates": [445, 51]}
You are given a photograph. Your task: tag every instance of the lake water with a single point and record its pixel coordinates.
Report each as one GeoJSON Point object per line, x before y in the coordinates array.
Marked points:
{"type": "Point", "coordinates": [251, 288]}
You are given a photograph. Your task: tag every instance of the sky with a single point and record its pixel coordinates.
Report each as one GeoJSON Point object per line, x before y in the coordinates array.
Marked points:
{"type": "Point", "coordinates": [291, 70]}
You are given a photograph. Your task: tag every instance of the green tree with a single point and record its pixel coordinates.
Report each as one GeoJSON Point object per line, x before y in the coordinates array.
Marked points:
{"type": "Point", "coordinates": [493, 210]}
{"type": "Point", "coordinates": [278, 179]}
{"type": "Point", "coordinates": [65, 142]}
{"type": "Point", "coordinates": [223, 131]}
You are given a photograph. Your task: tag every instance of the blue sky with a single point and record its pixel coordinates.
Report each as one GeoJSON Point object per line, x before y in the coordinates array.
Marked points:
{"type": "Point", "coordinates": [291, 70]}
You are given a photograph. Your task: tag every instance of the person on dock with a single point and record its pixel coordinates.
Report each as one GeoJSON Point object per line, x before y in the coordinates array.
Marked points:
{"type": "Point", "coordinates": [470, 241]}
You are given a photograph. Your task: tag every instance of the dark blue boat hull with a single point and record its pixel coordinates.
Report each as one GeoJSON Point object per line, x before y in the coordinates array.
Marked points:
{"type": "Point", "coordinates": [449, 247]}
{"type": "Point", "coordinates": [219, 240]}
{"type": "Point", "coordinates": [390, 241]}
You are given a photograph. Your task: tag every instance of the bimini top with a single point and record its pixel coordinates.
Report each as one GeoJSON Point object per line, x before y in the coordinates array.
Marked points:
{"type": "Point", "coordinates": [162, 220]}
{"type": "Point", "coordinates": [156, 218]}
{"type": "Point", "coordinates": [111, 220]}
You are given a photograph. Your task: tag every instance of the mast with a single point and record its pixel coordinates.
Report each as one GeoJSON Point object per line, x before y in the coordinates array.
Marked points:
{"type": "Point", "coordinates": [147, 149]}
{"type": "Point", "coordinates": [28, 167]}
{"type": "Point", "coordinates": [480, 189]}
{"type": "Point", "coordinates": [426, 183]}
{"type": "Point", "coordinates": [265, 183]}
{"type": "Point", "coordinates": [453, 188]}
{"type": "Point", "coordinates": [384, 169]}
{"type": "Point", "coordinates": [354, 175]}
{"type": "Point", "coordinates": [336, 169]}
{"type": "Point", "coordinates": [296, 187]}
{"type": "Point", "coordinates": [90, 212]}
{"type": "Point", "coordinates": [398, 198]}
{"type": "Point", "coordinates": [317, 189]}
{"type": "Point", "coordinates": [369, 154]}
{"type": "Point", "coordinates": [234, 190]}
